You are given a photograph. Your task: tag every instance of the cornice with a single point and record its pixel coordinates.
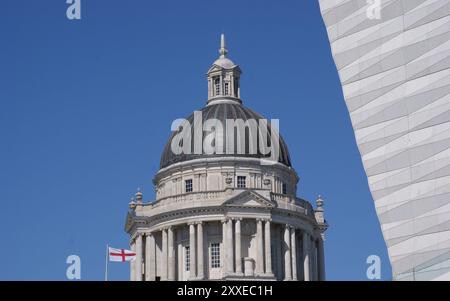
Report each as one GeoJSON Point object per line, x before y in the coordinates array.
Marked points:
{"type": "Point", "coordinates": [213, 160]}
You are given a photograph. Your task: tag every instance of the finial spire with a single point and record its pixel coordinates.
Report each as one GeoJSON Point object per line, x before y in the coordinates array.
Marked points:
{"type": "Point", "coordinates": [223, 48]}
{"type": "Point", "coordinates": [138, 195]}
{"type": "Point", "coordinates": [319, 203]}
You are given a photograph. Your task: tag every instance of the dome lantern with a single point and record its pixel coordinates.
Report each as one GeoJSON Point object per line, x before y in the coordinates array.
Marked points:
{"type": "Point", "coordinates": [223, 78]}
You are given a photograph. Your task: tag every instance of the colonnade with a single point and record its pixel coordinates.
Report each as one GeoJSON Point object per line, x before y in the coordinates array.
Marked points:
{"type": "Point", "coordinates": [299, 262]}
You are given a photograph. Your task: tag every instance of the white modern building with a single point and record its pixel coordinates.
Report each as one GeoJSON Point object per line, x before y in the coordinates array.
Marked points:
{"type": "Point", "coordinates": [393, 59]}
{"type": "Point", "coordinates": [221, 215]}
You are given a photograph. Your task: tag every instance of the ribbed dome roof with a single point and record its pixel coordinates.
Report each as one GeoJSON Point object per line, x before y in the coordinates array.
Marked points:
{"type": "Point", "coordinates": [222, 112]}
{"type": "Point", "coordinates": [224, 63]}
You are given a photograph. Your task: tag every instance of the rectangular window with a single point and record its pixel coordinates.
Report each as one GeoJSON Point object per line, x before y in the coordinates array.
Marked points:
{"type": "Point", "coordinates": [284, 188]}
{"type": "Point", "coordinates": [187, 263]}
{"type": "Point", "coordinates": [241, 182]}
{"type": "Point", "coordinates": [188, 185]}
{"type": "Point", "coordinates": [215, 255]}
{"type": "Point", "coordinates": [227, 88]}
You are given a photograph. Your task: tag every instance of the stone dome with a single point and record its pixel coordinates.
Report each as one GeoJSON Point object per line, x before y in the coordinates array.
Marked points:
{"type": "Point", "coordinates": [225, 63]}
{"type": "Point", "coordinates": [224, 111]}
{"type": "Point", "coordinates": [226, 205]}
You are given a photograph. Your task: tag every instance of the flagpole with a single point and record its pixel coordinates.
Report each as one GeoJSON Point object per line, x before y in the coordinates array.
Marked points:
{"type": "Point", "coordinates": [106, 263]}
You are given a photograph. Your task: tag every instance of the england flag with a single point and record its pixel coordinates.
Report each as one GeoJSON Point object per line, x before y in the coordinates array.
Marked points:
{"type": "Point", "coordinates": [121, 255]}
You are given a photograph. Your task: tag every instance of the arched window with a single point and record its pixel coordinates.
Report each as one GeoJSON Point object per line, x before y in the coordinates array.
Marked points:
{"type": "Point", "coordinates": [217, 85]}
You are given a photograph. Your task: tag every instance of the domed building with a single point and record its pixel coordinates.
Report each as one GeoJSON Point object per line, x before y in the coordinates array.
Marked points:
{"type": "Point", "coordinates": [226, 205]}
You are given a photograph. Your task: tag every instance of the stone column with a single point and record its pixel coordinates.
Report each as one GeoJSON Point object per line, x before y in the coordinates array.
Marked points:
{"type": "Point", "coordinates": [133, 263]}
{"type": "Point", "coordinates": [192, 251]}
{"type": "Point", "coordinates": [171, 255]}
{"type": "Point", "coordinates": [138, 257]}
{"type": "Point", "coordinates": [180, 254]}
{"type": "Point", "coordinates": [224, 246]}
{"type": "Point", "coordinates": [321, 253]}
{"type": "Point", "coordinates": [150, 259]}
{"type": "Point", "coordinates": [306, 267]}
{"type": "Point", "coordinates": [268, 249]}
{"type": "Point", "coordinates": [287, 254]}
{"type": "Point", "coordinates": [314, 260]}
{"type": "Point", "coordinates": [238, 242]}
{"type": "Point", "coordinates": [200, 259]}
{"type": "Point", "coordinates": [294, 254]}
{"type": "Point", "coordinates": [230, 250]}
{"type": "Point", "coordinates": [231, 92]}
{"type": "Point", "coordinates": [164, 255]}
{"type": "Point", "coordinates": [260, 248]}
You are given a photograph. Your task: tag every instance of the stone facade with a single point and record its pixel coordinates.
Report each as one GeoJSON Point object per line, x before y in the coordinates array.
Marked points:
{"type": "Point", "coordinates": [226, 217]}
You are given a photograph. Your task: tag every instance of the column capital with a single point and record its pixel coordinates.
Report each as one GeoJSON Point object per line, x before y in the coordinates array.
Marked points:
{"type": "Point", "coordinates": [135, 236]}
{"type": "Point", "coordinates": [322, 236]}
{"type": "Point", "coordinates": [199, 222]}
{"type": "Point", "coordinates": [315, 238]}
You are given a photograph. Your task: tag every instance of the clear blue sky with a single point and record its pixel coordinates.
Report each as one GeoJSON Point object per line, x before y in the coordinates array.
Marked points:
{"type": "Point", "coordinates": [86, 108]}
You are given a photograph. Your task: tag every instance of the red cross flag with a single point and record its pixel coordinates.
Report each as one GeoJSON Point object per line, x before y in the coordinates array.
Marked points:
{"type": "Point", "coordinates": [121, 255]}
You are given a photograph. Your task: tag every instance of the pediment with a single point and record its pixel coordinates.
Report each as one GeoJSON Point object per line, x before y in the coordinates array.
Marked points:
{"type": "Point", "coordinates": [249, 199]}
{"type": "Point", "coordinates": [215, 68]}
{"type": "Point", "coordinates": [128, 221]}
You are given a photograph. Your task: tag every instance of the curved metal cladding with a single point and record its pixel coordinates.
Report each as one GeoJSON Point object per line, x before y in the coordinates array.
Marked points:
{"type": "Point", "coordinates": [393, 61]}
{"type": "Point", "coordinates": [223, 112]}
